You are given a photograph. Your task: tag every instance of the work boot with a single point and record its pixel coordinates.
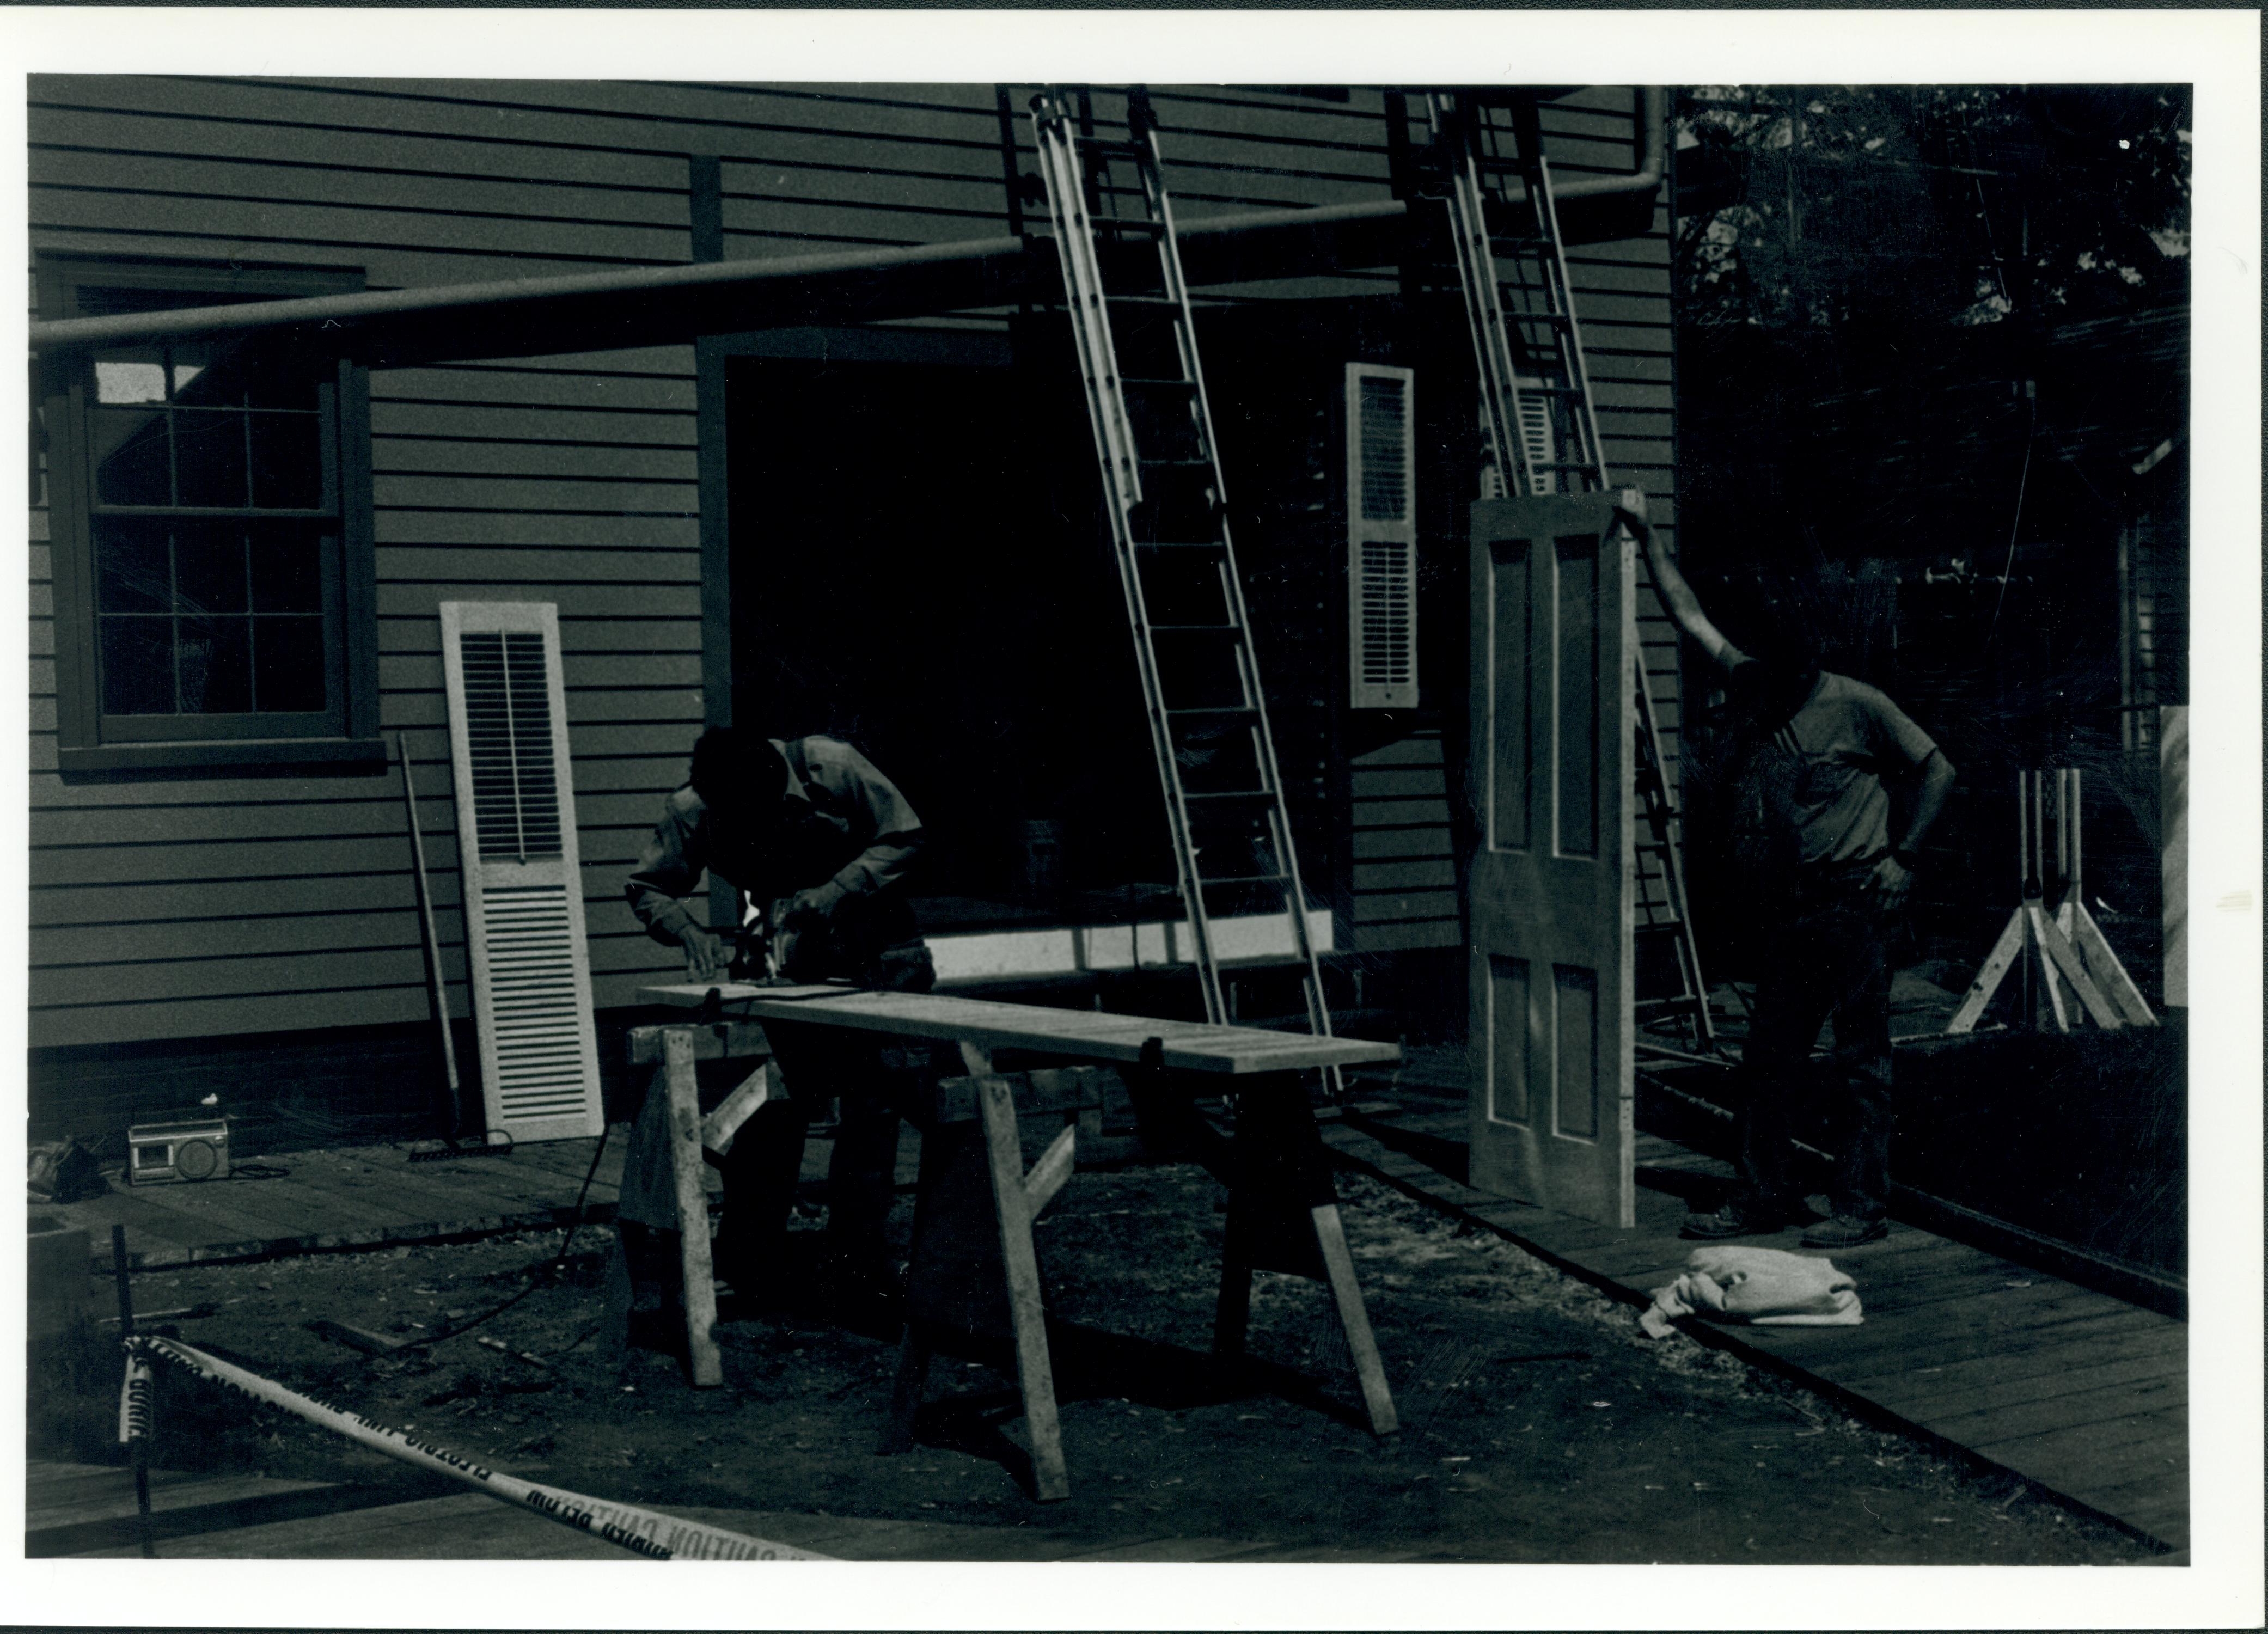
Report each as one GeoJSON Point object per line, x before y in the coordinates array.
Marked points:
{"type": "Point", "coordinates": [1846, 1230]}
{"type": "Point", "coordinates": [1739, 1217]}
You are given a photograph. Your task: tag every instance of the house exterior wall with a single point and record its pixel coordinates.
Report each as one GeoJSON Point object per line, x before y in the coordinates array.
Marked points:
{"type": "Point", "coordinates": [169, 908]}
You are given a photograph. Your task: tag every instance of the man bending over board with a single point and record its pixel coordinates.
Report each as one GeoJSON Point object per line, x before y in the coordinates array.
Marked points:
{"type": "Point", "coordinates": [810, 830]}
{"type": "Point", "coordinates": [1825, 755]}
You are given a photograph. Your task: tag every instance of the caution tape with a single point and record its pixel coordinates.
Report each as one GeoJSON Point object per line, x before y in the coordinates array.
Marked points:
{"type": "Point", "coordinates": [134, 1399]}
{"type": "Point", "coordinates": [644, 1532]}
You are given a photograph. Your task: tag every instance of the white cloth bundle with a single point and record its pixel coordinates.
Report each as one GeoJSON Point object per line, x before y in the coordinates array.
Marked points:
{"type": "Point", "coordinates": [1763, 1285]}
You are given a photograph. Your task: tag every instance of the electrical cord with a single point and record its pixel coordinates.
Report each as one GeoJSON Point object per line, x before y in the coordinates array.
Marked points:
{"type": "Point", "coordinates": [534, 1274]}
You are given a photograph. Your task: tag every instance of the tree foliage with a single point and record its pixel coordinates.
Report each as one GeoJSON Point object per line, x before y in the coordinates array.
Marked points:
{"type": "Point", "coordinates": [1901, 209]}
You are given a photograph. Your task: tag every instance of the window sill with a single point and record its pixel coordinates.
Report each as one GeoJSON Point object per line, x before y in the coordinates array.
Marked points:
{"type": "Point", "coordinates": [234, 757]}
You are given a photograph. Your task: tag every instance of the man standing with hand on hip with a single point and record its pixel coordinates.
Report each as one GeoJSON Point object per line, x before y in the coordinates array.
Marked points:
{"type": "Point", "coordinates": [810, 830]}
{"type": "Point", "coordinates": [1841, 786]}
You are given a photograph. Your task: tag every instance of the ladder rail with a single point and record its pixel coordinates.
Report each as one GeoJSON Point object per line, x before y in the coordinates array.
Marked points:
{"type": "Point", "coordinates": [1484, 314]}
{"type": "Point", "coordinates": [1570, 334]}
{"type": "Point", "coordinates": [1673, 869]}
{"type": "Point", "coordinates": [1550, 306]}
{"type": "Point", "coordinates": [1071, 162]}
{"type": "Point", "coordinates": [1246, 654]}
{"type": "Point", "coordinates": [1065, 185]}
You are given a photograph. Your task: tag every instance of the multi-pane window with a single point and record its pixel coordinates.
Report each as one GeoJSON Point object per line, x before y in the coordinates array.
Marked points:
{"type": "Point", "coordinates": [212, 573]}
{"type": "Point", "coordinates": [212, 504]}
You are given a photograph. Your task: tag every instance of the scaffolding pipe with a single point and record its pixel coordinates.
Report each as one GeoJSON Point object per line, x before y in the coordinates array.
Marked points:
{"type": "Point", "coordinates": [657, 306]}
{"type": "Point", "coordinates": [662, 305]}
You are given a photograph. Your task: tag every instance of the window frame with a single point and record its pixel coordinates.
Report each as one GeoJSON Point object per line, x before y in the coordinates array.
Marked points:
{"type": "Point", "coordinates": [344, 735]}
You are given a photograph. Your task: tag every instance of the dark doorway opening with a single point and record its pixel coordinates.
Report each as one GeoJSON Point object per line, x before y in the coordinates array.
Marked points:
{"type": "Point", "coordinates": [905, 576]}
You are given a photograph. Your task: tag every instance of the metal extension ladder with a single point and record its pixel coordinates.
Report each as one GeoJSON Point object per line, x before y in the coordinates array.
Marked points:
{"type": "Point", "coordinates": [1542, 427]}
{"type": "Point", "coordinates": [1136, 340]}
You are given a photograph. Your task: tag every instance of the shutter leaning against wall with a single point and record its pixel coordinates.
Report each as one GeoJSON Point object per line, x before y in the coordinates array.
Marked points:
{"type": "Point", "coordinates": [523, 887]}
{"type": "Point", "coordinates": [1381, 510]}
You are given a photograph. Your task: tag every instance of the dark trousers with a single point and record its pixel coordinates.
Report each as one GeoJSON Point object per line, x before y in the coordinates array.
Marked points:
{"type": "Point", "coordinates": [1829, 959]}
{"type": "Point", "coordinates": [874, 1083]}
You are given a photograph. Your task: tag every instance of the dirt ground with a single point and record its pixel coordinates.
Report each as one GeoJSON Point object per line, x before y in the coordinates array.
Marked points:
{"type": "Point", "coordinates": [1539, 1424]}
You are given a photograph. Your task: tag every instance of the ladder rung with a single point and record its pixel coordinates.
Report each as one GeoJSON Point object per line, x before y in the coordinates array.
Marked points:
{"type": "Point", "coordinates": [1189, 463]}
{"type": "Point", "coordinates": [1218, 710]}
{"type": "Point", "coordinates": [1263, 961]}
{"type": "Point", "coordinates": [1247, 879]}
{"type": "Point", "coordinates": [1235, 630]}
{"type": "Point", "coordinates": [1553, 318]}
{"type": "Point", "coordinates": [1178, 544]}
{"type": "Point", "coordinates": [1547, 391]}
{"type": "Point", "coordinates": [1143, 301]}
{"type": "Point", "coordinates": [1159, 384]}
{"type": "Point", "coordinates": [1563, 465]}
{"type": "Point", "coordinates": [1665, 1005]}
{"type": "Point", "coordinates": [1661, 925]}
{"type": "Point", "coordinates": [1116, 146]}
{"type": "Point", "coordinates": [1232, 794]}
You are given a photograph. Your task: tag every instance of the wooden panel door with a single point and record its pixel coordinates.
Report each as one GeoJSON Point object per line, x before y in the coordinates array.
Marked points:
{"type": "Point", "coordinates": [1553, 635]}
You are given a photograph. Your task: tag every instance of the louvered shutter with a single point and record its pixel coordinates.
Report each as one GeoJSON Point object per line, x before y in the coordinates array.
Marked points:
{"type": "Point", "coordinates": [1536, 441]}
{"type": "Point", "coordinates": [1382, 539]}
{"type": "Point", "coordinates": [523, 892]}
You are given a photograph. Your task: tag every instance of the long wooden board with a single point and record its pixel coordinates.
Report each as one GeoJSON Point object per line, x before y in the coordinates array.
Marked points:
{"type": "Point", "coordinates": [1189, 1046]}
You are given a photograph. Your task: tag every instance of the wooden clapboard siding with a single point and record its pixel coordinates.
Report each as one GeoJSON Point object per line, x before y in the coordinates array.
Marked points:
{"type": "Point", "coordinates": [1403, 870]}
{"type": "Point", "coordinates": [516, 509]}
{"type": "Point", "coordinates": [568, 175]}
{"type": "Point", "coordinates": [174, 909]}
{"type": "Point", "coordinates": [177, 908]}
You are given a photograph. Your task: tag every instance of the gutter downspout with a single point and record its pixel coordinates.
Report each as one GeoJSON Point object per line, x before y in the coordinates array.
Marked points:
{"type": "Point", "coordinates": [1653, 145]}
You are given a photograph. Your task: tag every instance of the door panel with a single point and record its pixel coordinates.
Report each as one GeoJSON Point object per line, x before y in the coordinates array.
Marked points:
{"type": "Point", "coordinates": [1554, 635]}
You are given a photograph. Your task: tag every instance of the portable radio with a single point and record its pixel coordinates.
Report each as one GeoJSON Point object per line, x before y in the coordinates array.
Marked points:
{"type": "Point", "coordinates": [190, 1149]}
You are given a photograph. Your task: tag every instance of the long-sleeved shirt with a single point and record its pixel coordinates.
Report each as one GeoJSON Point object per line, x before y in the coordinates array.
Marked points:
{"type": "Point", "coordinates": [840, 820]}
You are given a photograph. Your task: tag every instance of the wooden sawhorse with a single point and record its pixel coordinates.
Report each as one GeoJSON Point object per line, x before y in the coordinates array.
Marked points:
{"type": "Point", "coordinates": [973, 1249]}
{"type": "Point", "coordinates": [671, 1050]}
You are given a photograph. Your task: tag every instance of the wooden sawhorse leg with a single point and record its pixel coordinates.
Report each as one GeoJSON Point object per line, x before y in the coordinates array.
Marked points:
{"type": "Point", "coordinates": [689, 1139]}
{"type": "Point", "coordinates": [973, 1254]}
{"type": "Point", "coordinates": [680, 1083]}
{"type": "Point", "coordinates": [1284, 1216]}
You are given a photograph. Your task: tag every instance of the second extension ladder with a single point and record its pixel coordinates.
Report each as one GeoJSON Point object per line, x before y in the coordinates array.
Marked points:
{"type": "Point", "coordinates": [1543, 430]}
{"type": "Point", "coordinates": [1136, 340]}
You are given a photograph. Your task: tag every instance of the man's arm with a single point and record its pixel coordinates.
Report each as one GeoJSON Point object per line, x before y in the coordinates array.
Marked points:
{"type": "Point", "coordinates": [1931, 782]}
{"type": "Point", "coordinates": [1937, 778]}
{"type": "Point", "coordinates": [1678, 596]}
{"type": "Point", "coordinates": [894, 833]}
{"type": "Point", "coordinates": [668, 868]}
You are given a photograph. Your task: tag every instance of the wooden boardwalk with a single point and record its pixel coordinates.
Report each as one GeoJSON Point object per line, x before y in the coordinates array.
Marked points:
{"type": "Point", "coordinates": [2084, 1394]}
{"type": "Point", "coordinates": [358, 1198]}
{"type": "Point", "coordinates": [2080, 1393]}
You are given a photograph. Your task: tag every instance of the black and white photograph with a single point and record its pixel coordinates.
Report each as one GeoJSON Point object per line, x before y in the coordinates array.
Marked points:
{"type": "Point", "coordinates": [1379, 795]}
